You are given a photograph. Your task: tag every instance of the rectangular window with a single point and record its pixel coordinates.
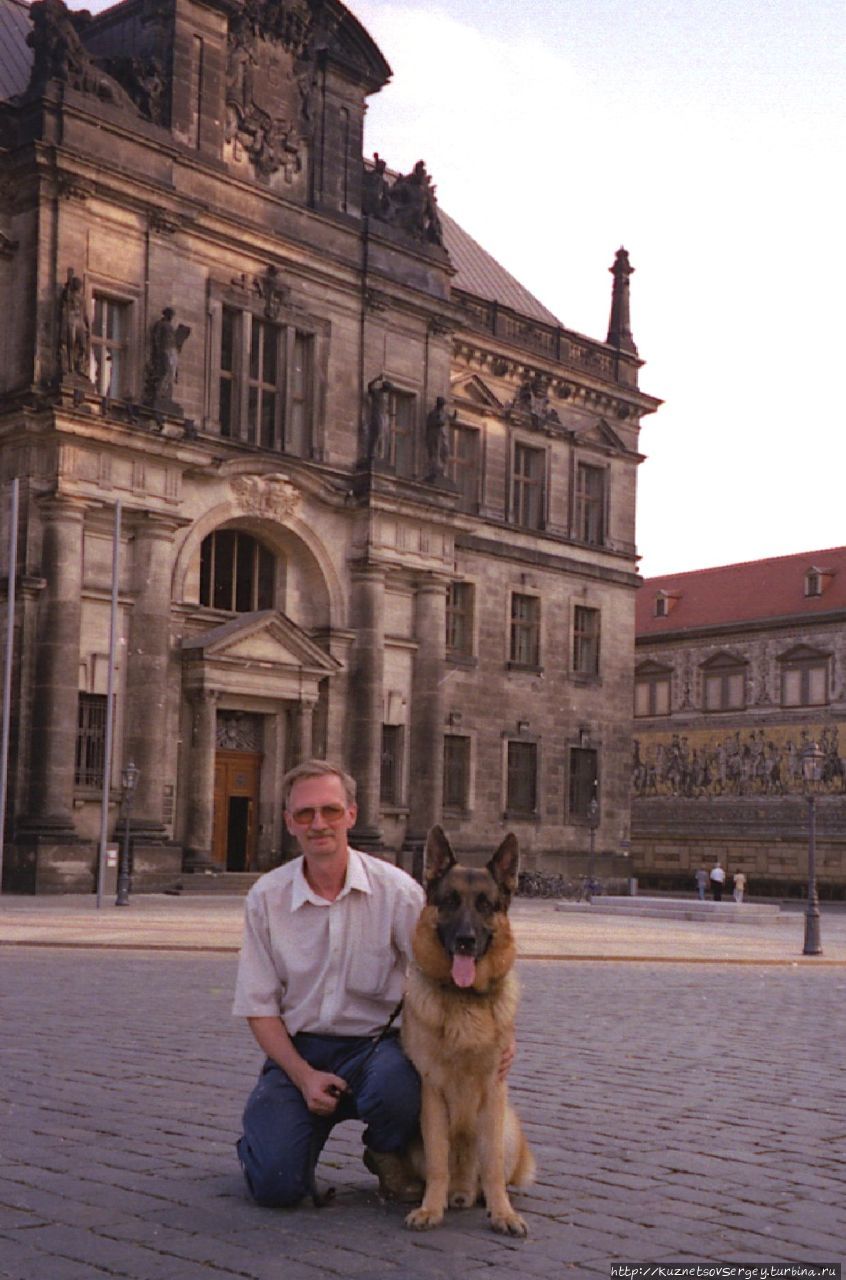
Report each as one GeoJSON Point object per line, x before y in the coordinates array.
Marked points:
{"type": "Point", "coordinates": [590, 504]}
{"type": "Point", "coordinates": [586, 641]}
{"type": "Point", "coordinates": [522, 780]}
{"type": "Point", "coordinates": [403, 408]}
{"type": "Point", "coordinates": [527, 495]}
{"type": "Point", "coordinates": [264, 383]}
{"type": "Point", "coordinates": [804, 686]}
{"type": "Point", "coordinates": [90, 740]}
{"type": "Point", "coordinates": [725, 691]}
{"type": "Point", "coordinates": [459, 619]}
{"type": "Point", "coordinates": [109, 346]}
{"type": "Point", "coordinates": [464, 468]}
{"type": "Point", "coordinates": [456, 772]}
{"type": "Point", "coordinates": [583, 781]}
{"type": "Point", "coordinates": [652, 696]}
{"type": "Point", "coordinates": [524, 645]}
{"type": "Point", "coordinates": [391, 784]}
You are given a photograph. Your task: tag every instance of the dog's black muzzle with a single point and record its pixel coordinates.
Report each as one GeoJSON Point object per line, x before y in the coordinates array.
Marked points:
{"type": "Point", "coordinates": [465, 935]}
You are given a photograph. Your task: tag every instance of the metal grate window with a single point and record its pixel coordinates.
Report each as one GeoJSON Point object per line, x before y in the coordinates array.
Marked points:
{"type": "Point", "coordinates": [237, 573]}
{"type": "Point", "coordinates": [90, 762]}
{"type": "Point", "coordinates": [522, 781]}
{"type": "Point", "coordinates": [456, 771]}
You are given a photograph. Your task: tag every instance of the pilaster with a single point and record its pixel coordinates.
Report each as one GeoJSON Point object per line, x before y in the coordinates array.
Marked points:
{"type": "Point", "coordinates": [366, 686]}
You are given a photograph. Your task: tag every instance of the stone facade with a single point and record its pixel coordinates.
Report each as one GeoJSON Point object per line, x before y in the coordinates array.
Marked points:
{"type": "Point", "coordinates": [738, 670]}
{"type": "Point", "coordinates": [367, 509]}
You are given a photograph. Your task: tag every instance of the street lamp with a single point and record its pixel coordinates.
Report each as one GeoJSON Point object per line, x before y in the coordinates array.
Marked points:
{"type": "Point", "coordinates": [593, 823]}
{"type": "Point", "coordinates": [812, 762]}
{"type": "Point", "coordinates": [128, 781]}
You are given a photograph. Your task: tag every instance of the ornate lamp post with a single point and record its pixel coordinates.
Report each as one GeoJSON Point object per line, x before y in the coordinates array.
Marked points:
{"type": "Point", "coordinates": [812, 761]}
{"type": "Point", "coordinates": [129, 781]}
{"type": "Point", "coordinates": [593, 823]}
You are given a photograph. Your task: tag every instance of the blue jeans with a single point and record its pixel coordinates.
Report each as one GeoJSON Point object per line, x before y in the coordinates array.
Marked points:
{"type": "Point", "coordinates": [282, 1138]}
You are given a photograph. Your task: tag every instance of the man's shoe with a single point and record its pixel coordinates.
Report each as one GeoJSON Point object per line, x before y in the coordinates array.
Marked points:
{"type": "Point", "coordinates": [397, 1181]}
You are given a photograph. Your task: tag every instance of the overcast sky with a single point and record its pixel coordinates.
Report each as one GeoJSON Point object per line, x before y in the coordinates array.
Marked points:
{"type": "Point", "coordinates": [707, 137]}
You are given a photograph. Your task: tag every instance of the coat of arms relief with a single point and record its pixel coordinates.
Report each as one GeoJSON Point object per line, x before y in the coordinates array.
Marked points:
{"type": "Point", "coordinates": [269, 85]}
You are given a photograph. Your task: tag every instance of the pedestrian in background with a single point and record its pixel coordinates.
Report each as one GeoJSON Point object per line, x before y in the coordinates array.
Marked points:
{"type": "Point", "coordinates": [701, 878]}
{"type": "Point", "coordinates": [739, 885]}
{"type": "Point", "coordinates": [718, 879]}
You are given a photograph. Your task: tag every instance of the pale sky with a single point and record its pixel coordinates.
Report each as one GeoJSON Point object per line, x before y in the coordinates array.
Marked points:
{"type": "Point", "coordinates": [707, 137]}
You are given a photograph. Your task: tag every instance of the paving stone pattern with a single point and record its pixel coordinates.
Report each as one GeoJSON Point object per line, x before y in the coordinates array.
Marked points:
{"type": "Point", "coordinates": [678, 1112]}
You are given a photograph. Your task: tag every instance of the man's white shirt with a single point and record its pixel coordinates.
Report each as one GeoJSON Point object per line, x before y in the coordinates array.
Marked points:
{"type": "Point", "coordinates": [331, 968]}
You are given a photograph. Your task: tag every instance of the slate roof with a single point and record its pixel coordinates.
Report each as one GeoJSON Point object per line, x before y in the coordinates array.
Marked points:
{"type": "Point", "coordinates": [756, 591]}
{"type": "Point", "coordinates": [15, 55]}
{"type": "Point", "coordinates": [480, 274]}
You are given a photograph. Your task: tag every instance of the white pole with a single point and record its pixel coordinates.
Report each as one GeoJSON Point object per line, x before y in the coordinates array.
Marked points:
{"type": "Point", "coordinates": [110, 689]}
{"type": "Point", "coordinates": [7, 663]}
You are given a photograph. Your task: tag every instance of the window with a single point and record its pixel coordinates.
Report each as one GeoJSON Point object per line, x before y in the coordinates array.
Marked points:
{"type": "Point", "coordinates": [264, 383]}
{"type": "Point", "coordinates": [590, 504]}
{"type": "Point", "coordinates": [391, 783]}
{"type": "Point", "coordinates": [459, 619]}
{"type": "Point", "coordinates": [724, 683]}
{"type": "Point", "coordinates": [90, 762]}
{"type": "Point", "coordinates": [522, 779]}
{"type": "Point", "coordinates": [527, 495]}
{"type": "Point", "coordinates": [652, 691]}
{"type": "Point", "coordinates": [109, 346]}
{"type": "Point", "coordinates": [456, 772]}
{"type": "Point", "coordinates": [464, 468]}
{"type": "Point", "coordinates": [804, 678]}
{"type": "Point", "coordinates": [586, 641]}
{"type": "Point", "coordinates": [584, 781]}
{"type": "Point", "coordinates": [524, 646]}
{"type": "Point", "coordinates": [401, 454]}
{"type": "Point", "coordinates": [237, 573]}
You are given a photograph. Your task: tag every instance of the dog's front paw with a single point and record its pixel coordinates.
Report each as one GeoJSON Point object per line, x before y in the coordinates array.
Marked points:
{"type": "Point", "coordinates": [509, 1224]}
{"type": "Point", "coordinates": [424, 1219]}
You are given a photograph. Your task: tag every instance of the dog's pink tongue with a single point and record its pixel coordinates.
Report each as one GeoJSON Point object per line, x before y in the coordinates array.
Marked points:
{"type": "Point", "coordinates": [463, 971]}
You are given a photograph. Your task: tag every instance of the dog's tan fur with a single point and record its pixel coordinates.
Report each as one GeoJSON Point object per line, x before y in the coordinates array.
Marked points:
{"type": "Point", "coordinates": [472, 1139]}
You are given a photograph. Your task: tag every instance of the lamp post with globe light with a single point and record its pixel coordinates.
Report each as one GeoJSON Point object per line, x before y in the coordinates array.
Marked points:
{"type": "Point", "coordinates": [812, 761]}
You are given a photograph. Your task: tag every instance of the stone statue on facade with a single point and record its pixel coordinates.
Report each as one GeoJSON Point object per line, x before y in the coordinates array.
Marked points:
{"type": "Point", "coordinates": [409, 203]}
{"type": "Point", "coordinates": [59, 54]}
{"type": "Point", "coordinates": [378, 428]}
{"type": "Point", "coordinates": [375, 194]}
{"type": "Point", "coordinates": [74, 330]}
{"type": "Point", "coordinates": [437, 441]}
{"type": "Point", "coordinates": [166, 342]}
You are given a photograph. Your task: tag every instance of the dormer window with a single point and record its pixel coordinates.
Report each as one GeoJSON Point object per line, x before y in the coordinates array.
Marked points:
{"type": "Point", "coordinates": [816, 581]}
{"type": "Point", "coordinates": [665, 602]}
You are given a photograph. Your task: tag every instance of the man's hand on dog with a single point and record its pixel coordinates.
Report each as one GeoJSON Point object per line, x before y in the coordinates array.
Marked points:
{"type": "Point", "coordinates": [507, 1060]}
{"type": "Point", "coordinates": [322, 1092]}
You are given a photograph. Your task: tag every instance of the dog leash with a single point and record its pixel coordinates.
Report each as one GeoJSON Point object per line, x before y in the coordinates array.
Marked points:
{"type": "Point", "coordinates": [320, 1199]}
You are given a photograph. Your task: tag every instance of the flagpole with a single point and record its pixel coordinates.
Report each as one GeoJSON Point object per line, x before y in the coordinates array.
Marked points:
{"type": "Point", "coordinates": [7, 663]}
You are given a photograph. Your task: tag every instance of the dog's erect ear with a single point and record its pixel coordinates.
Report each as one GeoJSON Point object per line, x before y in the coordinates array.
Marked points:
{"type": "Point", "coordinates": [504, 864]}
{"type": "Point", "coordinates": [439, 855]}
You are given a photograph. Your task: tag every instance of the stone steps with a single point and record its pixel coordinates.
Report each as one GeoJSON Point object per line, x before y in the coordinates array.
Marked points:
{"type": "Point", "coordinates": [679, 909]}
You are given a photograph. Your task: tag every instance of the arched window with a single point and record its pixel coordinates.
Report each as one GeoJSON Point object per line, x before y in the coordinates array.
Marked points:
{"type": "Point", "coordinates": [237, 573]}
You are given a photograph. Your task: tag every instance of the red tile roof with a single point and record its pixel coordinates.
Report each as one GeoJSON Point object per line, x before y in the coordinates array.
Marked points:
{"type": "Point", "coordinates": [757, 591]}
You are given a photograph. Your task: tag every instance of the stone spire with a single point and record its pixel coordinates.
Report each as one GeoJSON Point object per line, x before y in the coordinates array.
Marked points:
{"type": "Point", "coordinates": [619, 326]}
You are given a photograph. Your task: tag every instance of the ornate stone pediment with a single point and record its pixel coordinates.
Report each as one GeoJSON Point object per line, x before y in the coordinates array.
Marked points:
{"type": "Point", "coordinates": [273, 496]}
{"type": "Point", "coordinates": [266, 639]}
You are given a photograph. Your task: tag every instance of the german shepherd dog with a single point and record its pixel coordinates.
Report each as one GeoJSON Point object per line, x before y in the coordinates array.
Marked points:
{"type": "Point", "coordinates": [458, 1018]}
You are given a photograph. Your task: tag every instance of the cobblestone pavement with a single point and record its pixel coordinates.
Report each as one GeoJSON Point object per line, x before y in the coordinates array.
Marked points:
{"type": "Point", "coordinates": [679, 1112]}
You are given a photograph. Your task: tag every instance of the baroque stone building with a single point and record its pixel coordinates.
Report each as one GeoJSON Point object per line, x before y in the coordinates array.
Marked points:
{"type": "Point", "coordinates": [377, 502]}
{"type": "Point", "coordinates": [738, 669]}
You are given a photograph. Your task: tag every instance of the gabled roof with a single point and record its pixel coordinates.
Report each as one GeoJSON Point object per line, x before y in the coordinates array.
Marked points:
{"type": "Point", "coordinates": [15, 54]}
{"type": "Point", "coordinates": [263, 636]}
{"type": "Point", "coordinates": [755, 591]}
{"type": "Point", "coordinates": [480, 274]}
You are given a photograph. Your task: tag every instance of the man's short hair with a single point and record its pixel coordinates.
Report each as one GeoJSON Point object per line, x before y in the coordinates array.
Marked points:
{"type": "Point", "coordinates": [317, 769]}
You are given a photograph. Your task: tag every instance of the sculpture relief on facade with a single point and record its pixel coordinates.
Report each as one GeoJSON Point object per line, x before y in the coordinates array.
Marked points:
{"type": "Point", "coordinates": [74, 330]}
{"type": "Point", "coordinates": [166, 342]}
{"type": "Point", "coordinates": [408, 202]}
{"type": "Point", "coordinates": [59, 54]}
{"type": "Point", "coordinates": [269, 84]}
{"type": "Point", "coordinates": [273, 496]}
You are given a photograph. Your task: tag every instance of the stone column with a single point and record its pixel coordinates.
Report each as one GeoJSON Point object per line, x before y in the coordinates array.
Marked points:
{"type": "Point", "coordinates": [56, 682]}
{"type": "Point", "coordinates": [366, 700]}
{"type": "Point", "coordinates": [146, 719]}
{"type": "Point", "coordinates": [200, 780]}
{"type": "Point", "coordinates": [303, 731]}
{"type": "Point", "coordinates": [427, 710]}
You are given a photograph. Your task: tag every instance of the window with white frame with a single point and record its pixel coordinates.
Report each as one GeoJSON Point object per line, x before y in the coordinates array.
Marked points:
{"type": "Point", "coordinates": [110, 346]}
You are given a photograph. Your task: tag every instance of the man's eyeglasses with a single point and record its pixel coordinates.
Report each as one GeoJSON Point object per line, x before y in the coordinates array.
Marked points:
{"type": "Point", "coordinates": [330, 813]}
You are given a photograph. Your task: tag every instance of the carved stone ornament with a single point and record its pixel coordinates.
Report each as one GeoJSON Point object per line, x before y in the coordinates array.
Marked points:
{"type": "Point", "coordinates": [272, 291]}
{"type": "Point", "coordinates": [59, 54]}
{"type": "Point", "coordinates": [532, 401]}
{"type": "Point", "coordinates": [74, 330]}
{"type": "Point", "coordinates": [273, 496]}
{"type": "Point", "coordinates": [269, 83]}
{"type": "Point", "coordinates": [238, 731]}
{"type": "Point", "coordinates": [408, 202]}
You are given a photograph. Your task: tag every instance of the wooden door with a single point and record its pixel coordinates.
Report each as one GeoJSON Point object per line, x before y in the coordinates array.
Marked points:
{"type": "Point", "coordinates": [236, 796]}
